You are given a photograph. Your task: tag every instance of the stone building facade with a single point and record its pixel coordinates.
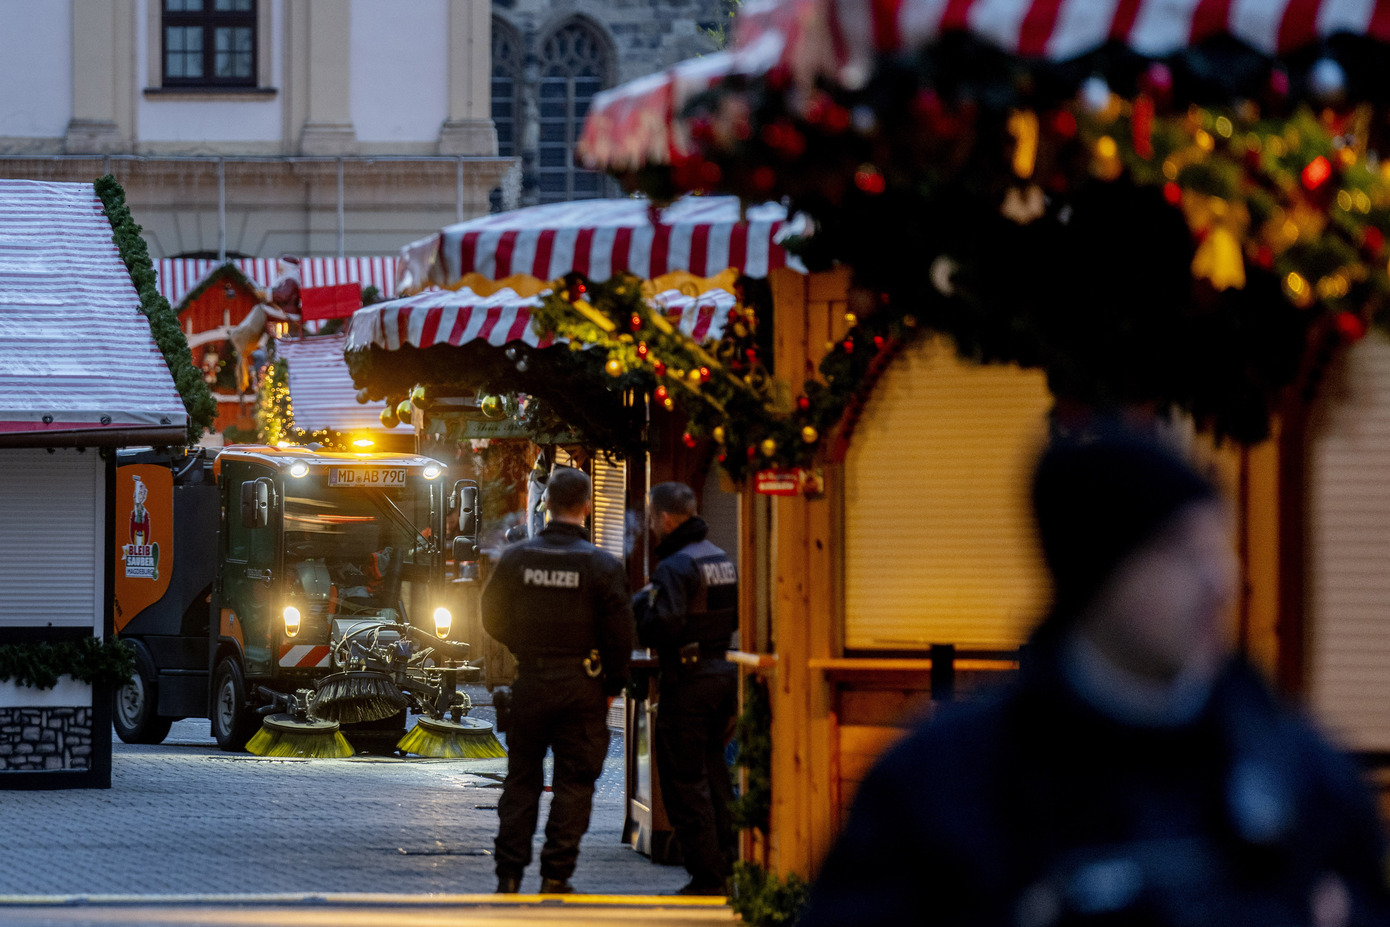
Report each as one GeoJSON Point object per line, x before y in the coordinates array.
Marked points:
{"type": "Point", "coordinates": [550, 58]}
{"type": "Point", "coordinates": [252, 128]}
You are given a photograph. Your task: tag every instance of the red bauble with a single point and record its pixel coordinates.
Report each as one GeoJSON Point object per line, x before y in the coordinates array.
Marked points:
{"type": "Point", "coordinates": [1372, 239]}
{"type": "Point", "coordinates": [1351, 326]}
{"type": "Point", "coordinates": [1317, 173]}
{"type": "Point", "coordinates": [688, 439]}
{"type": "Point", "coordinates": [803, 403]}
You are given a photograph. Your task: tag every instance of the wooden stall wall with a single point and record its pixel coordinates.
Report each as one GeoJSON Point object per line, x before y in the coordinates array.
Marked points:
{"type": "Point", "coordinates": [834, 714]}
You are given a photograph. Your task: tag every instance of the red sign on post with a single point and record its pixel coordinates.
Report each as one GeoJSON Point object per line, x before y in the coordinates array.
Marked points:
{"type": "Point", "coordinates": [318, 303]}
{"type": "Point", "coordinates": [778, 482]}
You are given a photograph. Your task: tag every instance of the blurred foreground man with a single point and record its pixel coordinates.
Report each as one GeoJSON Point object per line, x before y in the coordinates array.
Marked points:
{"type": "Point", "coordinates": [1136, 772]}
{"type": "Point", "coordinates": [688, 614]}
{"type": "Point", "coordinates": [560, 605]}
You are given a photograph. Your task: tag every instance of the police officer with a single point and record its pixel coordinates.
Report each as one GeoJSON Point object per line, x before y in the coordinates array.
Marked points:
{"type": "Point", "coordinates": [561, 606]}
{"type": "Point", "coordinates": [688, 614]}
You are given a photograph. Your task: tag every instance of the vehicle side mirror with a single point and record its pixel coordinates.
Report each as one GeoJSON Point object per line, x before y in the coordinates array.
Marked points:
{"type": "Point", "coordinates": [467, 493]}
{"type": "Point", "coordinates": [465, 550]}
{"type": "Point", "coordinates": [255, 503]}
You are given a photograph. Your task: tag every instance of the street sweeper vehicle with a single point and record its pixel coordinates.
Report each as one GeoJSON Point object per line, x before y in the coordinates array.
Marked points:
{"type": "Point", "coordinates": [297, 598]}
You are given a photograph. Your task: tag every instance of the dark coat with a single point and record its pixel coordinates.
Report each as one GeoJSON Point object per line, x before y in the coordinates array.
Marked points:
{"type": "Point", "coordinates": [1030, 807]}
{"type": "Point", "coordinates": [578, 603]}
{"type": "Point", "coordinates": [692, 596]}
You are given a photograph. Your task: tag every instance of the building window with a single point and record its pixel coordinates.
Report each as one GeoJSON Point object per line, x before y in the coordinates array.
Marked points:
{"type": "Point", "coordinates": [209, 43]}
{"type": "Point", "coordinates": [574, 66]}
{"type": "Point", "coordinates": [506, 88]}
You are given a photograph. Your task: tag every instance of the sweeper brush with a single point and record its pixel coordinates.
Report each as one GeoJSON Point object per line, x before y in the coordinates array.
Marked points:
{"type": "Point", "coordinates": [354, 697]}
{"type": "Point", "coordinates": [282, 735]}
{"type": "Point", "coordinates": [467, 738]}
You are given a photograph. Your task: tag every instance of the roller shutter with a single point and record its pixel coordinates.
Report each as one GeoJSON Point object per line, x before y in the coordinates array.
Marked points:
{"type": "Point", "coordinates": [938, 534]}
{"type": "Point", "coordinates": [610, 504]}
{"type": "Point", "coordinates": [52, 538]}
{"type": "Point", "coordinates": [1348, 553]}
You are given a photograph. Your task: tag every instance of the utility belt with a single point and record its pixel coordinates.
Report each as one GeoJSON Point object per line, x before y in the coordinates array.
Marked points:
{"type": "Point", "coordinates": [697, 652]}
{"type": "Point", "coordinates": [590, 662]}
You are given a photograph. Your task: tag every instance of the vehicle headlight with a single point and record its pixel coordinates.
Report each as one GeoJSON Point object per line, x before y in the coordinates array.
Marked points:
{"type": "Point", "coordinates": [291, 615]}
{"type": "Point", "coordinates": [431, 471]}
{"type": "Point", "coordinates": [299, 468]}
{"type": "Point", "coordinates": [442, 622]}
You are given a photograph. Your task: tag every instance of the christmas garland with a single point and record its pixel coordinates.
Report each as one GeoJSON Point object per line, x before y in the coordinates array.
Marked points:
{"type": "Point", "coordinates": [558, 380]}
{"type": "Point", "coordinates": [164, 324]}
{"type": "Point", "coordinates": [39, 664]}
{"type": "Point", "coordinates": [1203, 242]}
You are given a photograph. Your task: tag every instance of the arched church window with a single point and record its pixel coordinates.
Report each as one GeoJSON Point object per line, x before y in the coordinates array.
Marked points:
{"type": "Point", "coordinates": [507, 116]}
{"type": "Point", "coordinates": [575, 65]}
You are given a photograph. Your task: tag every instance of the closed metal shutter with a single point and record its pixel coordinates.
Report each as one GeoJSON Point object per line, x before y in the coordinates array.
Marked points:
{"type": "Point", "coordinates": [939, 538]}
{"type": "Point", "coordinates": [1348, 576]}
{"type": "Point", "coordinates": [52, 538]}
{"type": "Point", "coordinates": [610, 505]}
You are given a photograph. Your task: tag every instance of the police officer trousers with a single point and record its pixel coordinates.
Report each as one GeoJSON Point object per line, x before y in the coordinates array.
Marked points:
{"type": "Point", "coordinates": [556, 706]}
{"type": "Point", "coordinates": [693, 722]}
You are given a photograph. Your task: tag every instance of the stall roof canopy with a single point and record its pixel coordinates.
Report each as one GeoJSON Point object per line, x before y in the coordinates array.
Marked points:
{"type": "Point", "coordinates": [459, 317]}
{"type": "Point", "coordinates": [322, 397]}
{"type": "Point", "coordinates": [599, 238]}
{"type": "Point", "coordinates": [177, 277]}
{"type": "Point", "coordinates": [807, 44]}
{"type": "Point", "coordinates": [77, 358]}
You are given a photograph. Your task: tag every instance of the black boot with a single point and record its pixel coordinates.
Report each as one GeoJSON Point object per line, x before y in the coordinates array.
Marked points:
{"type": "Point", "coordinates": [508, 885]}
{"type": "Point", "coordinates": [556, 887]}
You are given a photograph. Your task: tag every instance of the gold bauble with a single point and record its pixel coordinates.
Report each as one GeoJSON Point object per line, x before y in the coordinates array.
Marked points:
{"type": "Point", "coordinates": [388, 417]}
{"type": "Point", "coordinates": [614, 367]}
{"type": "Point", "coordinates": [694, 377]}
{"type": "Point", "coordinates": [404, 409]}
{"type": "Point", "coordinates": [492, 406]}
{"type": "Point", "coordinates": [718, 433]}
{"type": "Point", "coordinates": [768, 447]}
{"type": "Point", "coordinates": [809, 434]}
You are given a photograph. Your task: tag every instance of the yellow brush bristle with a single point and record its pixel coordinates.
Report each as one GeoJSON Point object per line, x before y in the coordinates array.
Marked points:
{"type": "Point", "coordinates": [464, 745]}
{"type": "Point", "coordinates": [313, 745]}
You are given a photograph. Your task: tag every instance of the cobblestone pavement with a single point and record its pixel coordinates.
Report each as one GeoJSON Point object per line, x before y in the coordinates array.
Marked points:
{"type": "Point", "coordinates": [183, 818]}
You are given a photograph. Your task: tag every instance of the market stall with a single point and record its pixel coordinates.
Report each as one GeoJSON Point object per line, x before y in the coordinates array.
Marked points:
{"type": "Point", "coordinates": [505, 276]}
{"type": "Point", "coordinates": [89, 365]}
{"type": "Point", "coordinates": [1163, 208]}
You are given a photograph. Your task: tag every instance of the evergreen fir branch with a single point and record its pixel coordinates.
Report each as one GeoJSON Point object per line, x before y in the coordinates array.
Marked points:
{"type": "Point", "coordinates": [164, 325]}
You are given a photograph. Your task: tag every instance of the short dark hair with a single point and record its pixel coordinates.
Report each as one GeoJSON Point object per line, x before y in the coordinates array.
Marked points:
{"type": "Point", "coordinates": [567, 490]}
{"type": "Point", "coordinates": [674, 499]}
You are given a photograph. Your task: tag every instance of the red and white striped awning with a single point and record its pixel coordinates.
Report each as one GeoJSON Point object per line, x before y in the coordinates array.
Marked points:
{"type": "Point", "coordinates": [322, 396]}
{"type": "Point", "coordinates": [1060, 30]}
{"type": "Point", "coordinates": [458, 317]}
{"type": "Point", "coordinates": [814, 42]}
{"type": "Point", "coordinates": [598, 238]}
{"type": "Point", "coordinates": [177, 277]}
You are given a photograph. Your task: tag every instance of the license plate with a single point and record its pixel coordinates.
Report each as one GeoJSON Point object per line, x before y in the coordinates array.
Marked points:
{"type": "Point", "coordinates": [366, 476]}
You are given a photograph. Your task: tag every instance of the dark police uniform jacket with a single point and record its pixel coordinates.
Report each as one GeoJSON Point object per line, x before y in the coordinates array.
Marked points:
{"type": "Point", "coordinates": [692, 599]}
{"type": "Point", "coordinates": [1032, 807]}
{"type": "Point", "coordinates": [557, 596]}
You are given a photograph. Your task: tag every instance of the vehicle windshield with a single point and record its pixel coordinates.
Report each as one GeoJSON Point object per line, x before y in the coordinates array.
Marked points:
{"type": "Point", "coordinates": [354, 551]}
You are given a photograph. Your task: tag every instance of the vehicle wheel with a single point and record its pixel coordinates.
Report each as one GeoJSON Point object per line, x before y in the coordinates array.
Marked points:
{"type": "Point", "coordinates": [233, 721]}
{"type": "Point", "coordinates": [134, 704]}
